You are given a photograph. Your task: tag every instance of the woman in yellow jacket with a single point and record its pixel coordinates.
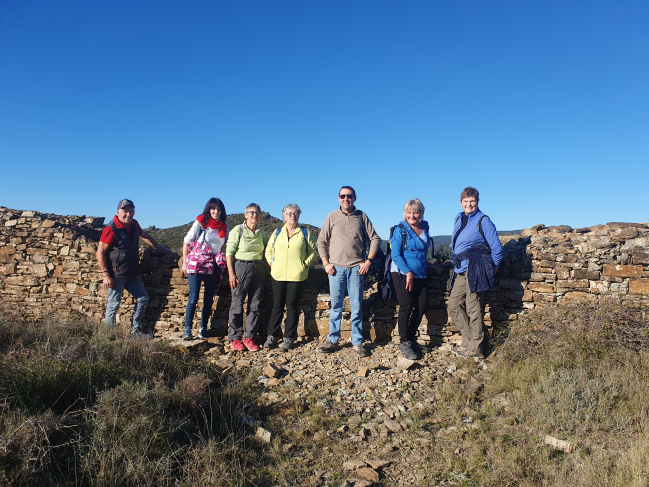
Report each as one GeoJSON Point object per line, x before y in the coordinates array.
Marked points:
{"type": "Point", "coordinates": [290, 251]}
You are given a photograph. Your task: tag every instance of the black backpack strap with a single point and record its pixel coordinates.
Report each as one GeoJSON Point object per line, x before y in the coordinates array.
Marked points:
{"type": "Point", "coordinates": [403, 237]}
{"type": "Point", "coordinates": [481, 232]}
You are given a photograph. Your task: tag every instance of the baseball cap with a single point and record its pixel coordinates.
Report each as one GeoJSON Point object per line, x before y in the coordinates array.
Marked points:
{"type": "Point", "coordinates": [124, 203]}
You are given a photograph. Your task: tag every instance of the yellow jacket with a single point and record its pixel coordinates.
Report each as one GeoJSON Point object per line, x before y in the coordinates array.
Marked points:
{"type": "Point", "coordinates": [292, 256]}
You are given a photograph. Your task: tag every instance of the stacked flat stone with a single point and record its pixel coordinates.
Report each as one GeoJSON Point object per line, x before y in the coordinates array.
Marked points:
{"type": "Point", "coordinates": [48, 266]}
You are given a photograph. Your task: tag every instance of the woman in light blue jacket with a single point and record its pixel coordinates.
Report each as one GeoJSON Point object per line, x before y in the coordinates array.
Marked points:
{"type": "Point", "coordinates": [408, 271]}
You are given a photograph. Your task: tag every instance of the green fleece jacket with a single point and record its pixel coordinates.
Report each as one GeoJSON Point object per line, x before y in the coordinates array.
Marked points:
{"type": "Point", "coordinates": [293, 256]}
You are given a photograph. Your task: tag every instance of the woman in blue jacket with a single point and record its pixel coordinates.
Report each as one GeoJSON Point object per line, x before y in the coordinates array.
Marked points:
{"type": "Point", "coordinates": [477, 253]}
{"type": "Point", "coordinates": [408, 271]}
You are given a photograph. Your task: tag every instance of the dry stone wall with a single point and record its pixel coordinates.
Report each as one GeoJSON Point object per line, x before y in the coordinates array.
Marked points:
{"type": "Point", "coordinates": [48, 266]}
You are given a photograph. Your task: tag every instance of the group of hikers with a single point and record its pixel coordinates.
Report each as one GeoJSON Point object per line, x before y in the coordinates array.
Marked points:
{"type": "Point", "coordinates": [347, 245]}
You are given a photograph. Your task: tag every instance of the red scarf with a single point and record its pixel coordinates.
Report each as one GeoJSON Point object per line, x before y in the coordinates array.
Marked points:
{"type": "Point", "coordinates": [213, 224]}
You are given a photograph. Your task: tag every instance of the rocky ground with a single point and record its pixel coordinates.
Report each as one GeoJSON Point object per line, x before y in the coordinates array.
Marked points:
{"type": "Point", "coordinates": [383, 403]}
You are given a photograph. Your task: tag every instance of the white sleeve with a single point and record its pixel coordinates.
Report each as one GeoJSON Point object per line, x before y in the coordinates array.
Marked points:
{"type": "Point", "coordinates": [193, 233]}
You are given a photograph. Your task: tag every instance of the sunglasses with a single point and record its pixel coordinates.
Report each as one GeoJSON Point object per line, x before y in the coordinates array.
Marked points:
{"type": "Point", "coordinates": [346, 196]}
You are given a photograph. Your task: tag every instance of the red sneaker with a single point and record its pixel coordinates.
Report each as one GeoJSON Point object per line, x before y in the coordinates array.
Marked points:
{"type": "Point", "coordinates": [237, 345]}
{"type": "Point", "coordinates": [250, 344]}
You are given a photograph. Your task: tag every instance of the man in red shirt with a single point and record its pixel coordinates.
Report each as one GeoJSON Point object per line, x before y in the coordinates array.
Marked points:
{"type": "Point", "coordinates": [119, 259]}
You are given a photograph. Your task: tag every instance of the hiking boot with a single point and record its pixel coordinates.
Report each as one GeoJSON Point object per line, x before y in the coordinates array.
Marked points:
{"type": "Point", "coordinates": [418, 349]}
{"type": "Point", "coordinates": [360, 350]}
{"type": "Point", "coordinates": [271, 342]}
{"type": "Point", "coordinates": [188, 335]}
{"type": "Point", "coordinates": [457, 350]}
{"type": "Point", "coordinates": [237, 345]}
{"type": "Point", "coordinates": [203, 334]}
{"type": "Point", "coordinates": [250, 344]}
{"type": "Point", "coordinates": [287, 344]}
{"type": "Point", "coordinates": [406, 350]}
{"type": "Point", "coordinates": [329, 347]}
{"type": "Point", "coordinates": [141, 335]}
{"type": "Point", "coordinates": [469, 354]}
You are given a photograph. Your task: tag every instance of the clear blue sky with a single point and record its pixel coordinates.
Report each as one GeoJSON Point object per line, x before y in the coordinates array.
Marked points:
{"type": "Point", "coordinates": [541, 105]}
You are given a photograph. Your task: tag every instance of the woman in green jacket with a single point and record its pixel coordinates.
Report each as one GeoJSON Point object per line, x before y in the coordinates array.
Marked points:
{"type": "Point", "coordinates": [290, 251]}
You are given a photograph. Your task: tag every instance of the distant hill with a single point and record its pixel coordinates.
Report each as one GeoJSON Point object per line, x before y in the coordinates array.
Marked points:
{"type": "Point", "coordinates": [173, 237]}
{"type": "Point", "coordinates": [446, 239]}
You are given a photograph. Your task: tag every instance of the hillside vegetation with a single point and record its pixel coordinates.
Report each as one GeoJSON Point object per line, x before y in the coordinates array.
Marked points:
{"type": "Point", "coordinates": [564, 401]}
{"type": "Point", "coordinates": [173, 237]}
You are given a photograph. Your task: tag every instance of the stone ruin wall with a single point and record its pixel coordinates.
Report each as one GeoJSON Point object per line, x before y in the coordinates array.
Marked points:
{"type": "Point", "coordinates": [48, 266]}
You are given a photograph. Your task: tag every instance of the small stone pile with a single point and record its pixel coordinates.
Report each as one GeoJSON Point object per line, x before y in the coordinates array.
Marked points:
{"type": "Point", "coordinates": [378, 400]}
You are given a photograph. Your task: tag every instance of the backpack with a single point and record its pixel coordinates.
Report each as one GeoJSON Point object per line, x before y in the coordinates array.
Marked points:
{"type": "Point", "coordinates": [385, 284]}
{"type": "Point", "coordinates": [277, 232]}
{"type": "Point", "coordinates": [200, 258]}
{"type": "Point", "coordinates": [451, 279]}
{"type": "Point", "coordinates": [479, 230]}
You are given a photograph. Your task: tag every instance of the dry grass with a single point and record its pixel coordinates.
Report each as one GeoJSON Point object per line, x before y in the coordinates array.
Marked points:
{"type": "Point", "coordinates": [81, 405]}
{"type": "Point", "coordinates": [576, 373]}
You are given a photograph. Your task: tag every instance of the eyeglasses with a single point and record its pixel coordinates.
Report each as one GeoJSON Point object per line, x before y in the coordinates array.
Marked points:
{"type": "Point", "coordinates": [291, 215]}
{"type": "Point", "coordinates": [348, 196]}
{"type": "Point", "coordinates": [252, 212]}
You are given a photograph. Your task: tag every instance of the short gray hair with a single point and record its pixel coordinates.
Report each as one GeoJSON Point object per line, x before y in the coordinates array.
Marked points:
{"type": "Point", "coordinates": [251, 206]}
{"type": "Point", "coordinates": [416, 206]}
{"type": "Point", "coordinates": [291, 206]}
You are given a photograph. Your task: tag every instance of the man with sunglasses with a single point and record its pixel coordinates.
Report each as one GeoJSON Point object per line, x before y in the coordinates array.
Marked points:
{"type": "Point", "coordinates": [341, 245]}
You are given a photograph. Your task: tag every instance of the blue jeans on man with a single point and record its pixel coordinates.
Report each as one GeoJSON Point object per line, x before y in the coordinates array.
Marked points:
{"type": "Point", "coordinates": [135, 286]}
{"type": "Point", "coordinates": [210, 282]}
{"type": "Point", "coordinates": [350, 278]}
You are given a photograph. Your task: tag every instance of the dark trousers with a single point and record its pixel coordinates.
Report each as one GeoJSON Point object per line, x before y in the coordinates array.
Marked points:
{"type": "Point", "coordinates": [251, 276]}
{"type": "Point", "coordinates": [412, 305]}
{"type": "Point", "coordinates": [210, 282]}
{"type": "Point", "coordinates": [284, 293]}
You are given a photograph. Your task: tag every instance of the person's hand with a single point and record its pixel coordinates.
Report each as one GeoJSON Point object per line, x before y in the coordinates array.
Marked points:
{"type": "Point", "coordinates": [233, 281]}
{"type": "Point", "coordinates": [107, 281]}
{"type": "Point", "coordinates": [364, 267]}
{"type": "Point", "coordinates": [409, 281]}
{"type": "Point", "coordinates": [330, 269]}
{"type": "Point", "coordinates": [305, 266]}
{"type": "Point", "coordinates": [184, 267]}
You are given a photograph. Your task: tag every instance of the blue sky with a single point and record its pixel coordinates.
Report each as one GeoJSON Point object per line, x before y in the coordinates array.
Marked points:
{"type": "Point", "coordinates": [541, 105]}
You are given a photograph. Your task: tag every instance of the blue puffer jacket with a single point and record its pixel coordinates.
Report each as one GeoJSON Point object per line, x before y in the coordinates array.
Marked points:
{"type": "Point", "coordinates": [471, 236]}
{"type": "Point", "coordinates": [415, 254]}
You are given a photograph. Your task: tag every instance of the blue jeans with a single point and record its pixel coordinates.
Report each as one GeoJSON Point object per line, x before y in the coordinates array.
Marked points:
{"type": "Point", "coordinates": [135, 286]}
{"type": "Point", "coordinates": [350, 277]}
{"type": "Point", "coordinates": [208, 298]}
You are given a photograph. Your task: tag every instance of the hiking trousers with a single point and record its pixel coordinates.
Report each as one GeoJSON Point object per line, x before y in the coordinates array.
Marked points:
{"type": "Point", "coordinates": [412, 305]}
{"type": "Point", "coordinates": [466, 311]}
{"type": "Point", "coordinates": [251, 276]}
{"type": "Point", "coordinates": [284, 293]}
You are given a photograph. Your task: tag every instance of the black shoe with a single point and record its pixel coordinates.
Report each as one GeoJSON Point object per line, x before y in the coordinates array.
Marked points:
{"type": "Point", "coordinates": [406, 350]}
{"type": "Point", "coordinates": [141, 335]}
{"type": "Point", "coordinates": [287, 344]}
{"type": "Point", "coordinates": [270, 343]}
{"type": "Point", "coordinates": [417, 349]}
{"type": "Point", "coordinates": [360, 350]}
{"type": "Point", "coordinates": [329, 347]}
